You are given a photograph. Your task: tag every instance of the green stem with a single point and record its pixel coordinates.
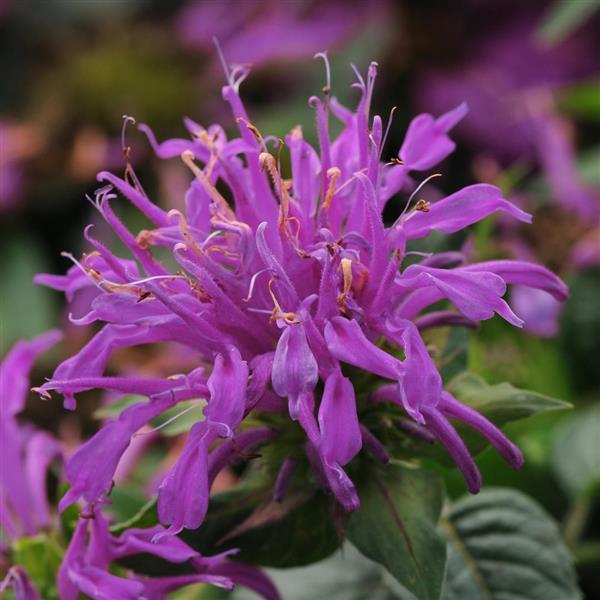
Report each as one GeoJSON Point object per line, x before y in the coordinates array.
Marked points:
{"type": "Point", "coordinates": [576, 520]}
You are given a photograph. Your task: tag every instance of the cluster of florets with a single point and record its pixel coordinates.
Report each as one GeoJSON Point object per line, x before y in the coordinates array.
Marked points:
{"type": "Point", "coordinates": [279, 287]}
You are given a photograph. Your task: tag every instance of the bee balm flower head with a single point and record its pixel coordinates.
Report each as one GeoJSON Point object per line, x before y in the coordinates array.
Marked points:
{"type": "Point", "coordinates": [285, 279]}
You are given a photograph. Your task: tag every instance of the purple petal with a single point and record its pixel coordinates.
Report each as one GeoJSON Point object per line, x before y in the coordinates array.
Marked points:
{"type": "Point", "coordinates": [91, 469]}
{"type": "Point", "coordinates": [183, 494]}
{"type": "Point", "coordinates": [99, 584]}
{"type": "Point", "coordinates": [421, 385]}
{"type": "Point", "coordinates": [426, 142]}
{"type": "Point", "coordinates": [235, 447]}
{"type": "Point", "coordinates": [227, 386]}
{"type": "Point", "coordinates": [158, 588]}
{"type": "Point", "coordinates": [22, 587]}
{"type": "Point", "coordinates": [447, 435]}
{"type": "Point", "coordinates": [42, 449]}
{"type": "Point", "coordinates": [340, 434]}
{"type": "Point", "coordinates": [454, 409]}
{"type": "Point", "coordinates": [477, 294]}
{"type": "Point", "coordinates": [250, 577]}
{"type": "Point", "coordinates": [453, 213]}
{"type": "Point", "coordinates": [348, 343]}
{"type": "Point", "coordinates": [295, 370]}
{"type": "Point", "coordinates": [72, 560]}
{"type": "Point", "coordinates": [284, 478]}
{"type": "Point", "coordinates": [15, 368]}
{"type": "Point", "coordinates": [524, 273]}
{"type": "Point", "coordinates": [539, 310]}
{"type": "Point", "coordinates": [374, 446]}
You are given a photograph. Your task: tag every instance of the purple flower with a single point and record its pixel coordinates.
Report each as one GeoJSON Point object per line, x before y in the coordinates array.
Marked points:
{"type": "Point", "coordinates": [26, 456]}
{"type": "Point", "coordinates": [27, 453]}
{"type": "Point", "coordinates": [511, 81]}
{"type": "Point", "coordinates": [279, 289]}
{"type": "Point", "coordinates": [22, 587]}
{"type": "Point", "coordinates": [85, 567]}
{"type": "Point", "coordinates": [257, 32]}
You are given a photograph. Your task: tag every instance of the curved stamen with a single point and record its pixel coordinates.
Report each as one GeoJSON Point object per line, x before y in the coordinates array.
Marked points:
{"type": "Point", "coordinates": [415, 192]}
{"type": "Point", "coordinates": [323, 55]}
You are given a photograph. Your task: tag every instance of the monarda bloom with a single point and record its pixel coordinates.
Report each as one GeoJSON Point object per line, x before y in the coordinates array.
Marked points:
{"type": "Point", "coordinates": [287, 282]}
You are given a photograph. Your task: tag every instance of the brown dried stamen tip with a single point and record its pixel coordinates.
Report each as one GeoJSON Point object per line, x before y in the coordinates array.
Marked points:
{"type": "Point", "coordinates": [145, 238]}
{"type": "Point", "coordinates": [346, 268]}
{"type": "Point", "coordinates": [252, 128]}
{"type": "Point", "coordinates": [333, 174]}
{"type": "Point", "coordinates": [326, 90]}
{"type": "Point", "coordinates": [396, 161]}
{"type": "Point", "coordinates": [422, 206]}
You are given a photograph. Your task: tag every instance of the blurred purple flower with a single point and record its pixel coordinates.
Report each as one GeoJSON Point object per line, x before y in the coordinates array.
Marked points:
{"type": "Point", "coordinates": [11, 170]}
{"type": "Point", "coordinates": [257, 32]}
{"type": "Point", "coordinates": [27, 452]}
{"type": "Point", "coordinates": [277, 290]}
{"type": "Point", "coordinates": [26, 456]}
{"type": "Point", "coordinates": [22, 587]}
{"type": "Point", "coordinates": [508, 80]}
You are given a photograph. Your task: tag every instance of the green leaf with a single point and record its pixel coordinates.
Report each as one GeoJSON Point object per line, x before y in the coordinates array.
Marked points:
{"type": "Point", "coordinates": [114, 409]}
{"type": "Point", "coordinates": [184, 416]}
{"type": "Point", "coordinates": [127, 501]}
{"type": "Point", "coordinates": [175, 421]}
{"type": "Point", "coordinates": [576, 452]}
{"type": "Point", "coordinates": [347, 575]}
{"type": "Point", "coordinates": [501, 544]}
{"type": "Point", "coordinates": [587, 163]}
{"type": "Point", "coordinates": [299, 531]}
{"type": "Point", "coordinates": [396, 526]}
{"type": "Point", "coordinates": [564, 17]}
{"type": "Point", "coordinates": [41, 557]}
{"type": "Point", "coordinates": [582, 100]}
{"type": "Point", "coordinates": [500, 403]}
{"type": "Point", "coordinates": [145, 517]}
{"type": "Point", "coordinates": [454, 358]}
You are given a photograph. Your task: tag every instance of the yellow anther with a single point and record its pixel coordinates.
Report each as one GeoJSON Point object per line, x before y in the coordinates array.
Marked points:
{"type": "Point", "coordinates": [145, 238]}
{"type": "Point", "coordinates": [346, 267]}
{"type": "Point", "coordinates": [333, 175]}
{"type": "Point", "coordinates": [277, 313]}
{"type": "Point", "coordinates": [185, 230]}
{"type": "Point", "coordinates": [257, 134]}
{"type": "Point", "coordinates": [188, 158]}
{"type": "Point", "coordinates": [422, 206]}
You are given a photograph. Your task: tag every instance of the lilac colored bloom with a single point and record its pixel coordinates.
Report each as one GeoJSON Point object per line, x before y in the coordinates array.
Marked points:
{"type": "Point", "coordinates": [263, 31]}
{"type": "Point", "coordinates": [27, 453]}
{"type": "Point", "coordinates": [509, 85]}
{"type": "Point", "coordinates": [26, 457]}
{"type": "Point", "coordinates": [281, 288]}
{"type": "Point", "coordinates": [18, 581]}
{"type": "Point", "coordinates": [11, 167]}
{"type": "Point", "coordinates": [538, 309]}
{"type": "Point", "coordinates": [587, 251]}
{"type": "Point", "coordinates": [85, 568]}
{"type": "Point", "coordinates": [511, 81]}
